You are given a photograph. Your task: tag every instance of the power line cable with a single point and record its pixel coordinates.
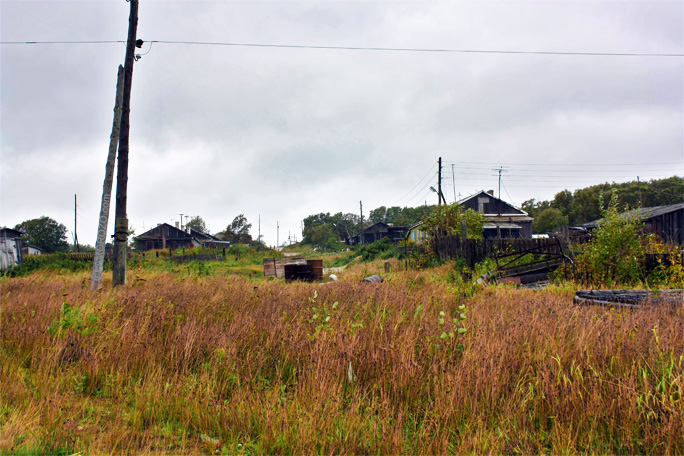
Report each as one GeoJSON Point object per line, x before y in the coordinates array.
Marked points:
{"type": "Point", "coordinates": [415, 186]}
{"type": "Point", "coordinates": [560, 164]}
{"type": "Point", "coordinates": [367, 48]}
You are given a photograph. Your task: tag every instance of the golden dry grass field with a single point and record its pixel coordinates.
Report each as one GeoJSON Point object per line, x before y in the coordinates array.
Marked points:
{"type": "Point", "coordinates": [187, 364]}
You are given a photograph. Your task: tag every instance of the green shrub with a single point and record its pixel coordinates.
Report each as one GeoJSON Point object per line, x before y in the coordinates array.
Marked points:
{"type": "Point", "coordinates": [616, 253]}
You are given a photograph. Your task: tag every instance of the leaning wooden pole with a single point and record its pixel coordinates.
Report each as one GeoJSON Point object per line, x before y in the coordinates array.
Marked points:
{"type": "Point", "coordinates": [103, 221]}
{"type": "Point", "coordinates": [121, 219]}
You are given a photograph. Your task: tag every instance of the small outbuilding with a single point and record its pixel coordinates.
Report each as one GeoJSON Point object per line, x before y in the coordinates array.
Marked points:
{"type": "Point", "coordinates": [10, 248]}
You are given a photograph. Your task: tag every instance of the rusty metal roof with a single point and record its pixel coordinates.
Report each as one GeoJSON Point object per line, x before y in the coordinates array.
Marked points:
{"type": "Point", "coordinates": [644, 213]}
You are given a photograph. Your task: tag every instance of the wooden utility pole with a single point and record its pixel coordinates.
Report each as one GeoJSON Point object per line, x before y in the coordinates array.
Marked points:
{"type": "Point", "coordinates": [121, 218]}
{"type": "Point", "coordinates": [75, 227]}
{"type": "Point", "coordinates": [361, 230]}
{"type": "Point", "coordinates": [439, 183]}
{"type": "Point", "coordinates": [103, 221]}
{"type": "Point", "coordinates": [453, 178]}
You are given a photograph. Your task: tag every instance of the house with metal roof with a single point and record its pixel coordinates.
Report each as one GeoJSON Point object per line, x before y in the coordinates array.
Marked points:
{"type": "Point", "coordinates": [503, 219]}
{"type": "Point", "coordinates": [667, 222]}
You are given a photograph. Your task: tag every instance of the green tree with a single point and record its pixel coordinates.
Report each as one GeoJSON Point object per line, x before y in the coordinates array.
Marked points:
{"type": "Point", "coordinates": [549, 221]}
{"type": "Point", "coordinates": [446, 219]}
{"type": "Point", "coordinates": [238, 231]}
{"type": "Point", "coordinates": [616, 253]}
{"type": "Point", "coordinates": [45, 233]}
{"type": "Point", "coordinates": [312, 222]}
{"type": "Point", "coordinates": [345, 225]}
{"type": "Point", "coordinates": [325, 237]}
{"type": "Point", "coordinates": [563, 202]}
{"type": "Point", "coordinates": [197, 224]}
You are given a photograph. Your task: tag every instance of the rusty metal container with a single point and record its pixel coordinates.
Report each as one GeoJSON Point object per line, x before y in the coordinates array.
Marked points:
{"type": "Point", "coordinates": [316, 268]}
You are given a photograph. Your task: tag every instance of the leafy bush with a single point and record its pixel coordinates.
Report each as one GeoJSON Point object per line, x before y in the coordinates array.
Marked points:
{"type": "Point", "coordinates": [380, 250]}
{"type": "Point", "coordinates": [616, 253]}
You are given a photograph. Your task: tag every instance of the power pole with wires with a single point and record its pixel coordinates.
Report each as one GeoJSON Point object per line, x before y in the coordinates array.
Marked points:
{"type": "Point", "coordinates": [439, 182]}
{"type": "Point", "coordinates": [500, 170]}
{"type": "Point", "coordinates": [75, 227]}
{"type": "Point", "coordinates": [361, 230]}
{"type": "Point", "coordinates": [453, 179]}
{"type": "Point", "coordinates": [121, 217]}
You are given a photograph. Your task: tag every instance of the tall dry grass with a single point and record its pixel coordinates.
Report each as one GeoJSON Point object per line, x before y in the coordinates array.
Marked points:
{"type": "Point", "coordinates": [191, 365]}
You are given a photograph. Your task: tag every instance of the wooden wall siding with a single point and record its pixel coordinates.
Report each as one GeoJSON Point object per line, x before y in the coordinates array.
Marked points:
{"type": "Point", "coordinates": [275, 267]}
{"type": "Point", "coordinates": [669, 227]}
{"type": "Point", "coordinates": [476, 250]}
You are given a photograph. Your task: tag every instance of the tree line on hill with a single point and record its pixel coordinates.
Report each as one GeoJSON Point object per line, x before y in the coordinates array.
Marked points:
{"type": "Point", "coordinates": [583, 205]}
{"type": "Point", "coordinates": [326, 231]}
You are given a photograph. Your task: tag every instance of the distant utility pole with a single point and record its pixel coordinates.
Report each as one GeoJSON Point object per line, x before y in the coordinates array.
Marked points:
{"type": "Point", "coordinates": [75, 228]}
{"type": "Point", "coordinates": [103, 221]}
{"type": "Point", "coordinates": [439, 183]}
{"type": "Point", "coordinates": [499, 170]}
{"type": "Point", "coordinates": [121, 217]}
{"type": "Point", "coordinates": [361, 230]}
{"type": "Point", "coordinates": [639, 187]}
{"type": "Point", "coordinates": [277, 234]}
{"type": "Point", "coordinates": [453, 179]}
{"type": "Point", "coordinates": [181, 222]}
{"type": "Point", "coordinates": [259, 238]}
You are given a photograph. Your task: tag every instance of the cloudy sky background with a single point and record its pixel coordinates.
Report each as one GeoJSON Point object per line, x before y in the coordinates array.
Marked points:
{"type": "Point", "coordinates": [283, 133]}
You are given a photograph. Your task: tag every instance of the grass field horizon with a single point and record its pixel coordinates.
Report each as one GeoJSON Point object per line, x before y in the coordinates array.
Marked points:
{"type": "Point", "coordinates": [423, 363]}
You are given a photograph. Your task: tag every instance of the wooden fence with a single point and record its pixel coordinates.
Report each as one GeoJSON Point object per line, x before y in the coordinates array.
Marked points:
{"type": "Point", "coordinates": [476, 250]}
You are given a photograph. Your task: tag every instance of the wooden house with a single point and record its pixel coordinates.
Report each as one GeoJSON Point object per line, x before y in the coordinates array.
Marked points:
{"type": "Point", "coordinates": [503, 220]}
{"type": "Point", "coordinates": [165, 236]}
{"type": "Point", "coordinates": [377, 231]}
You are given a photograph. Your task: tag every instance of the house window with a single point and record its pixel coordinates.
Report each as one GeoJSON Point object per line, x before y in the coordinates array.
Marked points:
{"type": "Point", "coordinates": [481, 201]}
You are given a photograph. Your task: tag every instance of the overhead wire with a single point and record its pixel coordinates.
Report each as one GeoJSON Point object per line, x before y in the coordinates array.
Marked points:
{"type": "Point", "coordinates": [415, 186]}
{"type": "Point", "coordinates": [369, 48]}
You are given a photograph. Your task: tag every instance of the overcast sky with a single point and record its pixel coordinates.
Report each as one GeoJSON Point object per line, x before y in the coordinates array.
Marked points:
{"type": "Point", "coordinates": [284, 133]}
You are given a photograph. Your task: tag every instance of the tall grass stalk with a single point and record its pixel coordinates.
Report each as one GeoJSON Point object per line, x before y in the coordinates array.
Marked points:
{"type": "Point", "coordinates": [178, 364]}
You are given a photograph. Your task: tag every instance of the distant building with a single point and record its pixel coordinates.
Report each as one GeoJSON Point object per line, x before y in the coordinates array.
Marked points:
{"type": "Point", "coordinates": [165, 236]}
{"type": "Point", "coordinates": [10, 248]}
{"type": "Point", "coordinates": [667, 222]}
{"type": "Point", "coordinates": [503, 219]}
{"type": "Point", "coordinates": [207, 240]}
{"type": "Point", "coordinates": [417, 233]}
{"type": "Point", "coordinates": [31, 250]}
{"type": "Point", "coordinates": [377, 231]}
